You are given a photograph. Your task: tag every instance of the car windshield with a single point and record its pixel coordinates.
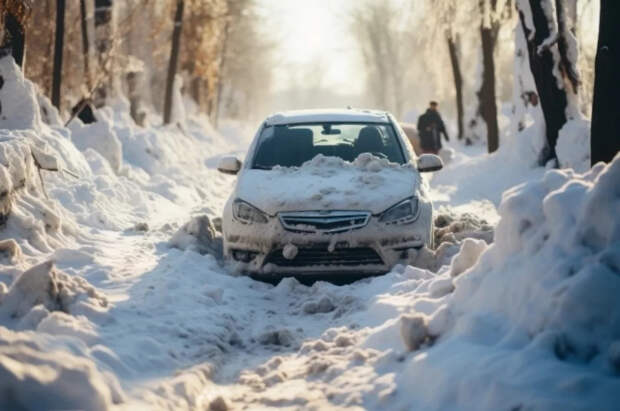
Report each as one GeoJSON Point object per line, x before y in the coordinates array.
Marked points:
{"type": "Point", "coordinates": [293, 145]}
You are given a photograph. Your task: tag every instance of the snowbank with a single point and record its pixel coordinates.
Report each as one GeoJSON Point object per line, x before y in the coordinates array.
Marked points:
{"type": "Point", "coordinates": [33, 376]}
{"type": "Point", "coordinates": [539, 312]}
{"type": "Point", "coordinates": [529, 322]}
{"type": "Point", "coordinates": [59, 332]}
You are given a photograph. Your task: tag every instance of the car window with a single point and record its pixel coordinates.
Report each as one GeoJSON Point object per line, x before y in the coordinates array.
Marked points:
{"type": "Point", "coordinates": [293, 145]}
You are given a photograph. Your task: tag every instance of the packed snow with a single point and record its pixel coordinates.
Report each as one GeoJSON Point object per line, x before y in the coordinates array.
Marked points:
{"type": "Point", "coordinates": [367, 183]}
{"type": "Point", "coordinates": [113, 295]}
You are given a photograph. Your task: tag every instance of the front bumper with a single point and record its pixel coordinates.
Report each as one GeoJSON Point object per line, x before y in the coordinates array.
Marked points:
{"type": "Point", "coordinates": [258, 249]}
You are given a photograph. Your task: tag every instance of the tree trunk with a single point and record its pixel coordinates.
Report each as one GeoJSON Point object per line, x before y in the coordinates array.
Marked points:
{"type": "Point", "coordinates": [487, 108]}
{"type": "Point", "coordinates": [567, 41]}
{"type": "Point", "coordinates": [134, 79]}
{"type": "Point", "coordinates": [605, 136]}
{"type": "Point", "coordinates": [85, 45]}
{"type": "Point", "coordinates": [458, 82]}
{"type": "Point", "coordinates": [174, 57]}
{"type": "Point", "coordinates": [17, 37]}
{"type": "Point", "coordinates": [220, 72]}
{"type": "Point", "coordinates": [552, 98]}
{"type": "Point", "coordinates": [58, 50]}
{"type": "Point", "coordinates": [196, 90]}
{"type": "Point", "coordinates": [103, 44]}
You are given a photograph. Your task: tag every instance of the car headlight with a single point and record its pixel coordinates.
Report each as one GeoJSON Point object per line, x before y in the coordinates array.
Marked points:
{"type": "Point", "coordinates": [247, 213]}
{"type": "Point", "coordinates": [404, 212]}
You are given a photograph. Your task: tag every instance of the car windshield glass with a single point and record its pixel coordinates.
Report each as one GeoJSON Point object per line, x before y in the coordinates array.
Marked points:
{"type": "Point", "coordinates": [293, 145]}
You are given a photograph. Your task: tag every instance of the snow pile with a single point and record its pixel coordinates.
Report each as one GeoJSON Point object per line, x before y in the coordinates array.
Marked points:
{"type": "Point", "coordinates": [36, 376]}
{"type": "Point", "coordinates": [199, 235]}
{"type": "Point", "coordinates": [112, 176]}
{"type": "Point", "coordinates": [20, 108]}
{"type": "Point", "coordinates": [44, 285]}
{"type": "Point", "coordinates": [529, 322]}
{"type": "Point", "coordinates": [573, 146]}
{"type": "Point", "coordinates": [541, 301]}
{"type": "Point", "coordinates": [99, 136]}
{"type": "Point", "coordinates": [324, 182]}
{"type": "Point", "coordinates": [24, 212]}
{"type": "Point", "coordinates": [16, 170]}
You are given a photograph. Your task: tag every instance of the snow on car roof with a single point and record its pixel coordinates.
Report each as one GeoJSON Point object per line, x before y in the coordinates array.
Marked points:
{"type": "Point", "coordinates": [332, 115]}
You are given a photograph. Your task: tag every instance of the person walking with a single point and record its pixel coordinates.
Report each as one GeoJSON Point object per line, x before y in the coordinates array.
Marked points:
{"type": "Point", "coordinates": [430, 128]}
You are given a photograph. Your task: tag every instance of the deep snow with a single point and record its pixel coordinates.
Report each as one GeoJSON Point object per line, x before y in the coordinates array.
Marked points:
{"type": "Point", "coordinates": [135, 313]}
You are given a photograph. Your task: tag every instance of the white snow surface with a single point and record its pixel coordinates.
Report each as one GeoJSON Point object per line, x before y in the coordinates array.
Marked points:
{"type": "Point", "coordinates": [573, 146]}
{"type": "Point", "coordinates": [367, 183]}
{"type": "Point", "coordinates": [108, 300]}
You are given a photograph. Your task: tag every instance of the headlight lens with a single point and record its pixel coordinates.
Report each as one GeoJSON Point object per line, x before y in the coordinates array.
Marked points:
{"type": "Point", "coordinates": [402, 213]}
{"type": "Point", "coordinates": [247, 213]}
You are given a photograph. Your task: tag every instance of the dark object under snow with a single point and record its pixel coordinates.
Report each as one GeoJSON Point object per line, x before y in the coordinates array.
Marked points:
{"type": "Point", "coordinates": [605, 140]}
{"type": "Point", "coordinates": [84, 111]}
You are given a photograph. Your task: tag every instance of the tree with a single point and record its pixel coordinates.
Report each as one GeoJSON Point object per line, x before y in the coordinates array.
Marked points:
{"type": "Point", "coordinates": [104, 42]}
{"type": "Point", "coordinates": [605, 132]}
{"type": "Point", "coordinates": [446, 21]}
{"type": "Point", "coordinates": [458, 81]}
{"type": "Point", "coordinates": [172, 64]}
{"type": "Point", "coordinates": [14, 15]}
{"type": "Point", "coordinates": [487, 105]}
{"type": "Point", "coordinates": [551, 43]}
{"type": "Point", "coordinates": [85, 43]}
{"type": "Point", "coordinates": [58, 50]}
{"type": "Point", "coordinates": [380, 32]}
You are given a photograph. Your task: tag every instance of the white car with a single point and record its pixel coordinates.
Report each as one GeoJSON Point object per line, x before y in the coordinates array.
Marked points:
{"type": "Point", "coordinates": [327, 192]}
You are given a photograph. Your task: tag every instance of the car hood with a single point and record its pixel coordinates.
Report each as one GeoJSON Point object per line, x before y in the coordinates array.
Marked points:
{"type": "Point", "coordinates": [329, 183]}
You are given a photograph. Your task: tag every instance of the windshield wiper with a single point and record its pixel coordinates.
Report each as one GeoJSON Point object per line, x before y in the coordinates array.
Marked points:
{"type": "Point", "coordinates": [261, 167]}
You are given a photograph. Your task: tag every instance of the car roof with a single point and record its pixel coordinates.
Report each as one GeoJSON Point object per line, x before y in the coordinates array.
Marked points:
{"type": "Point", "coordinates": [327, 115]}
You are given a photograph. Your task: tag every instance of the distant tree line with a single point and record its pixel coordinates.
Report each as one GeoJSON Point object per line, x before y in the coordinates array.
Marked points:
{"type": "Point", "coordinates": [88, 51]}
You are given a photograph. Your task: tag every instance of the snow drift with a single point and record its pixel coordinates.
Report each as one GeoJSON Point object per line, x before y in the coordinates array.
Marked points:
{"type": "Point", "coordinates": [34, 375]}
{"type": "Point", "coordinates": [57, 329]}
{"type": "Point", "coordinates": [368, 183]}
{"type": "Point", "coordinates": [531, 321]}
{"type": "Point", "coordinates": [538, 314]}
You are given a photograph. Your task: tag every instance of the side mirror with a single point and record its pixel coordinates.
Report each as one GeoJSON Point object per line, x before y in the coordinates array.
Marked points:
{"type": "Point", "coordinates": [429, 162]}
{"type": "Point", "coordinates": [229, 165]}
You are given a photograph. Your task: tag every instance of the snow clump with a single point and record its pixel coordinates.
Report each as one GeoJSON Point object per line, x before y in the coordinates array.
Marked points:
{"type": "Point", "coordinates": [573, 146]}
{"type": "Point", "coordinates": [45, 287]}
{"type": "Point", "coordinates": [34, 377]}
{"type": "Point", "coordinates": [198, 234]}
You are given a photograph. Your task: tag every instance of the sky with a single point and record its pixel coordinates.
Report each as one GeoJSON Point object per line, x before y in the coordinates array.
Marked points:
{"type": "Point", "coordinates": [314, 43]}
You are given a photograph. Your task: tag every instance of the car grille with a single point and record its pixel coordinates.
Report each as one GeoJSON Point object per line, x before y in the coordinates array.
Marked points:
{"type": "Point", "coordinates": [308, 257]}
{"type": "Point", "coordinates": [323, 222]}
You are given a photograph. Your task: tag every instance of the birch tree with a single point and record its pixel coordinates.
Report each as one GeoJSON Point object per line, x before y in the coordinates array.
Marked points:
{"type": "Point", "coordinates": [549, 27]}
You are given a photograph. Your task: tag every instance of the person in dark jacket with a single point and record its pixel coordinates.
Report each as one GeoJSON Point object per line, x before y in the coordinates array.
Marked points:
{"type": "Point", "coordinates": [430, 126]}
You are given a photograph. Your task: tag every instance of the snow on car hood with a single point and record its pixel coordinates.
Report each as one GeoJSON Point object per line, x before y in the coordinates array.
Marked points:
{"type": "Point", "coordinates": [329, 183]}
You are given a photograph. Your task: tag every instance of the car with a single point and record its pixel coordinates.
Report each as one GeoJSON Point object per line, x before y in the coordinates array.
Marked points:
{"type": "Point", "coordinates": [327, 192]}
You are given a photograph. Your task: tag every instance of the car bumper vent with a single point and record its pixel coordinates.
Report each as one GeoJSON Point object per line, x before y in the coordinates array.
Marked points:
{"type": "Point", "coordinates": [308, 257]}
